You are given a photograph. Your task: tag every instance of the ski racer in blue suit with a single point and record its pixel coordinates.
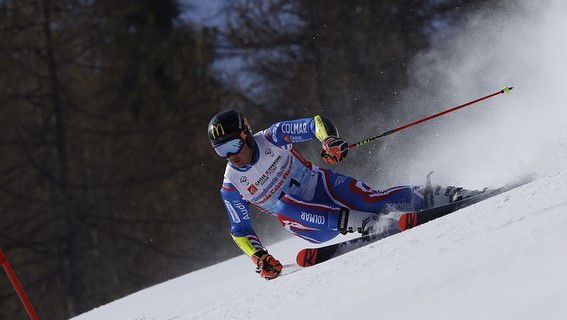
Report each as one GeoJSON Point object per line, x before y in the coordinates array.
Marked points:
{"type": "Point", "coordinates": [316, 204]}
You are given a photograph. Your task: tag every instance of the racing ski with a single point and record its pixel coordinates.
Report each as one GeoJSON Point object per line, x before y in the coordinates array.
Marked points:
{"type": "Point", "coordinates": [412, 219]}
{"type": "Point", "coordinates": [312, 256]}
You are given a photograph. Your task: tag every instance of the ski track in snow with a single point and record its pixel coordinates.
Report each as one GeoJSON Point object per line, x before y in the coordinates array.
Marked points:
{"type": "Point", "coordinates": [504, 258]}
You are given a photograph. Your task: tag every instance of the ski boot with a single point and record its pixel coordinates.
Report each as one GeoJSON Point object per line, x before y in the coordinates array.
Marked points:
{"type": "Point", "coordinates": [368, 222]}
{"type": "Point", "coordinates": [436, 196]}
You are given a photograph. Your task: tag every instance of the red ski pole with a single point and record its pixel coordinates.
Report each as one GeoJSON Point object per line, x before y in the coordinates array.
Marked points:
{"type": "Point", "coordinates": [387, 133]}
{"type": "Point", "coordinates": [18, 287]}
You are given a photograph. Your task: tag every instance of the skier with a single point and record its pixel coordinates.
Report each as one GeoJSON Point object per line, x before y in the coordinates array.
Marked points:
{"type": "Point", "coordinates": [316, 204]}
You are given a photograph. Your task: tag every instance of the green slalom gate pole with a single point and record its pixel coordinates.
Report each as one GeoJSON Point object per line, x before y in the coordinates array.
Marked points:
{"type": "Point", "coordinates": [387, 133]}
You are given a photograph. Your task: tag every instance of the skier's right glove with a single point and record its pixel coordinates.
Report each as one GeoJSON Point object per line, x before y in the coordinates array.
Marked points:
{"type": "Point", "coordinates": [334, 149]}
{"type": "Point", "coordinates": [266, 265]}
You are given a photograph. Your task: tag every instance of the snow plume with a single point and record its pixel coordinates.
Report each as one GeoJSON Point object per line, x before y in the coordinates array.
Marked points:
{"type": "Point", "coordinates": [509, 136]}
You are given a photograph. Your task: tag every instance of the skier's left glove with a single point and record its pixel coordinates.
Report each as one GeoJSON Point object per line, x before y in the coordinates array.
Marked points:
{"type": "Point", "coordinates": [334, 149]}
{"type": "Point", "coordinates": [266, 265]}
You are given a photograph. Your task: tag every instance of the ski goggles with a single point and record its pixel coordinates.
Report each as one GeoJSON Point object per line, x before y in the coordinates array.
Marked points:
{"type": "Point", "coordinates": [232, 146]}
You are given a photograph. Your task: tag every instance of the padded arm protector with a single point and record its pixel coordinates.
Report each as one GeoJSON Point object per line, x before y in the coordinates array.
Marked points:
{"type": "Point", "coordinates": [246, 245]}
{"type": "Point", "coordinates": [324, 128]}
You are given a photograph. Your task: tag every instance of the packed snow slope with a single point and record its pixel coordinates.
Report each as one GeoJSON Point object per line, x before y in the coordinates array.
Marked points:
{"type": "Point", "coordinates": [504, 258]}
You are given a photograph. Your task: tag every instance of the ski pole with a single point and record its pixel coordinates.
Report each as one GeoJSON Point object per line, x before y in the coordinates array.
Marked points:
{"type": "Point", "coordinates": [18, 287]}
{"type": "Point", "coordinates": [387, 133]}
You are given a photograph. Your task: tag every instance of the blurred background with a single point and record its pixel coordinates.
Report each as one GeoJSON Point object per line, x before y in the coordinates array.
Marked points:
{"type": "Point", "coordinates": [108, 183]}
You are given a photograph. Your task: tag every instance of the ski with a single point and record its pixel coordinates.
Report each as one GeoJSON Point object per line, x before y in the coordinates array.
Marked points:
{"type": "Point", "coordinates": [413, 219]}
{"type": "Point", "coordinates": [312, 256]}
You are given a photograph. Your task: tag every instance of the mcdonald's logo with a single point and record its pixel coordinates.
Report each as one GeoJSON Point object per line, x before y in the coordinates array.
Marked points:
{"type": "Point", "coordinates": [216, 130]}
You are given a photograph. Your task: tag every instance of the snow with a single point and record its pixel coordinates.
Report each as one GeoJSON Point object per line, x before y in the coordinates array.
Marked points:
{"type": "Point", "coordinates": [504, 258]}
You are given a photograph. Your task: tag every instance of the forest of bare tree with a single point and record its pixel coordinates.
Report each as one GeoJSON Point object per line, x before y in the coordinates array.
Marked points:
{"type": "Point", "coordinates": [108, 183]}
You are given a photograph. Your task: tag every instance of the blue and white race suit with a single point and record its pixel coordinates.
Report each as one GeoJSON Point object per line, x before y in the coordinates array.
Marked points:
{"type": "Point", "coordinates": [305, 198]}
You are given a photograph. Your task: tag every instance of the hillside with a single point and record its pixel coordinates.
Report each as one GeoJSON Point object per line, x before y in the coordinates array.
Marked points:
{"type": "Point", "coordinates": [504, 258]}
